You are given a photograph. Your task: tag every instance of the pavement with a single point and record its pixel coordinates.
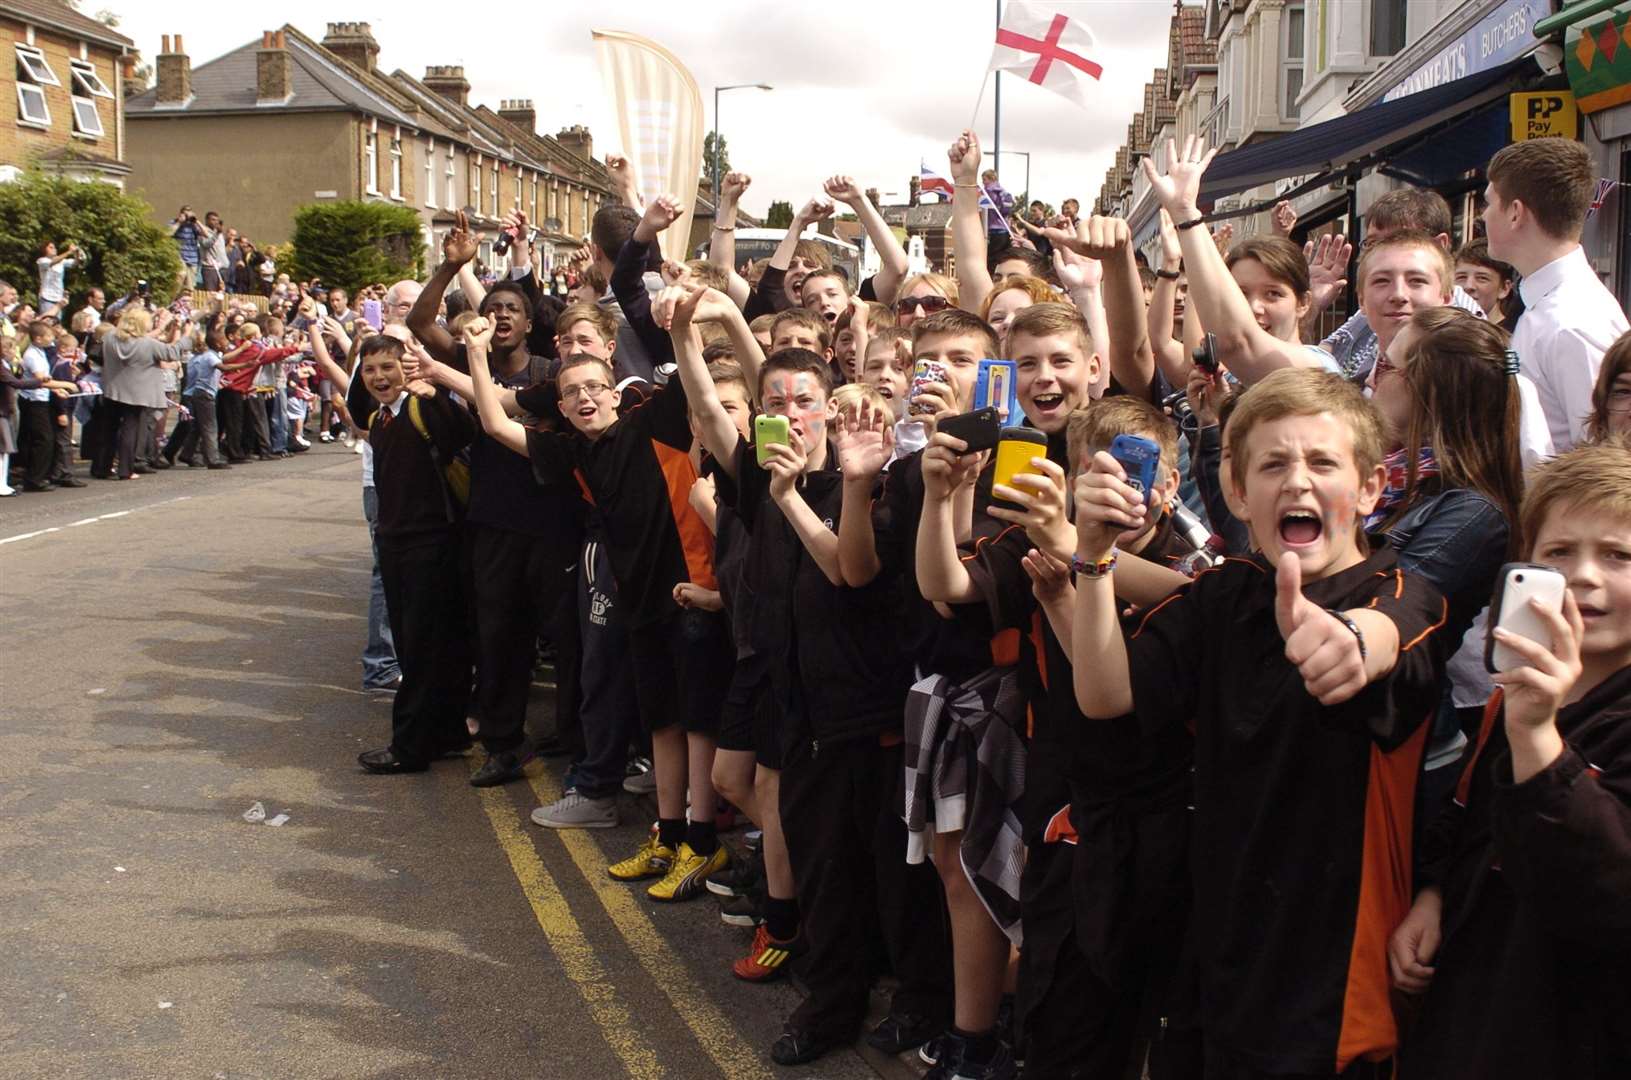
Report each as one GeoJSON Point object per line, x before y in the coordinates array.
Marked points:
{"type": "Point", "coordinates": [183, 647]}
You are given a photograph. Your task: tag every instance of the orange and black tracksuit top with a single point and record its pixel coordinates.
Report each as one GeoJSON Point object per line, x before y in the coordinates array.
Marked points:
{"type": "Point", "coordinates": [1303, 812]}
{"type": "Point", "coordinates": [639, 476]}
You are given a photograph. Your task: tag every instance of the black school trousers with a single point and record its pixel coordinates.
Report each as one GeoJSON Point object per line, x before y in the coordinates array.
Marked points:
{"type": "Point", "coordinates": [425, 600]}
{"type": "Point", "coordinates": [841, 812]}
{"type": "Point", "coordinates": [229, 406]}
{"type": "Point", "coordinates": [522, 587]}
{"type": "Point", "coordinates": [34, 438]}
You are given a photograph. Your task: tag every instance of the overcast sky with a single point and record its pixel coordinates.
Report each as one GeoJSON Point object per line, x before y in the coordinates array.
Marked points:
{"type": "Point", "coordinates": [866, 87]}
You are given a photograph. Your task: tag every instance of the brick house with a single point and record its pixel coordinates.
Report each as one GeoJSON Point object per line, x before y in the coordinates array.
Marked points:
{"type": "Point", "coordinates": [275, 124]}
{"type": "Point", "coordinates": [66, 113]}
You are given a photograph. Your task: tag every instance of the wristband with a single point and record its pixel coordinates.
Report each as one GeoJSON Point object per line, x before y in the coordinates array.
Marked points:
{"type": "Point", "coordinates": [1191, 223]}
{"type": "Point", "coordinates": [1353, 628]}
{"type": "Point", "coordinates": [724, 228]}
{"type": "Point", "coordinates": [1168, 275]}
{"type": "Point", "coordinates": [973, 187]}
{"type": "Point", "coordinates": [1081, 568]}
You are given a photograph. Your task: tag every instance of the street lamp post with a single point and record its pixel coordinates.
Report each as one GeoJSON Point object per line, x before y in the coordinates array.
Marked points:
{"type": "Point", "coordinates": [1026, 154]}
{"type": "Point", "coordinates": [715, 170]}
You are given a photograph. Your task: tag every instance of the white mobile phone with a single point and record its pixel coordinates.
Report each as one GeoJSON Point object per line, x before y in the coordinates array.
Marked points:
{"type": "Point", "coordinates": [1517, 585]}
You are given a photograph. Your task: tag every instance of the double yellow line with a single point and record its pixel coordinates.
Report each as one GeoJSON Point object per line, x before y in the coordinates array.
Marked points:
{"type": "Point", "coordinates": [713, 1031]}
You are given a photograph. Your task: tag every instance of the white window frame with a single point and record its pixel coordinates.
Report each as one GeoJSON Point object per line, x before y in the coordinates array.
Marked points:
{"type": "Point", "coordinates": [493, 196]}
{"type": "Point", "coordinates": [430, 173]}
{"type": "Point", "coordinates": [475, 188]}
{"type": "Point", "coordinates": [532, 203]}
{"type": "Point", "coordinates": [396, 163]}
{"type": "Point", "coordinates": [520, 182]}
{"type": "Point", "coordinates": [1293, 58]}
{"type": "Point", "coordinates": [85, 78]}
{"type": "Point", "coordinates": [36, 93]}
{"type": "Point", "coordinates": [36, 66]}
{"type": "Point", "coordinates": [450, 192]}
{"type": "Point", "coordinates": [370, 153]}
{"type": "Point", "coordinates": [91, 130]}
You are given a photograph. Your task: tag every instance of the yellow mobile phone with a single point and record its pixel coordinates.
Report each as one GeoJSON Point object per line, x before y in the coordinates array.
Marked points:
{"type": "Point", "coordinates": [767, 430]}
{"type": "Point", "coordinates": [1015, 449]}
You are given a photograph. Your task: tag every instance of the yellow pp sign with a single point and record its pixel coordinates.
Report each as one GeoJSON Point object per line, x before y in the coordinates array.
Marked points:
{"type": "Point", "coordinates": [1539, 114]}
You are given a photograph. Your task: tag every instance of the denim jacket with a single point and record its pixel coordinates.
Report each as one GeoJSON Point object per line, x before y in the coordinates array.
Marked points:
{"type": "Point", "coordinates": [1456, 539]}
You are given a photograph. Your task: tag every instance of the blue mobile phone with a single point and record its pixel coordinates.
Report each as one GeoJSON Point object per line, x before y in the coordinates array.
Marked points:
{"type": "Point", "coordinates": [995, 386]}
{"type": "Point", "coordinates": [1139, 458]}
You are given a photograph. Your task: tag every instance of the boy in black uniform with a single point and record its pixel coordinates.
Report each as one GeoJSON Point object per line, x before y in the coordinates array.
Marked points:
{"type": "Point", "coordinates": [1308, 708]}
{"type": "Point", "coordinates": [1519, 937]}
{"type": "Point", "coordinates": [522, 533]}
{"type": "Point", "coordinates": [1114, 886]}
{"type": "Point", "coordinates": [638, 470]}
{"type": "Point", "coordinates": [418, 556]}
{"type": "Point", "coordinates": [843, 685]}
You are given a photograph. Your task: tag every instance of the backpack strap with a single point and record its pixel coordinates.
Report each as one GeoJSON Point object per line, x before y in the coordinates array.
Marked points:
{"type": "Point", "coordinates": [416, 417]}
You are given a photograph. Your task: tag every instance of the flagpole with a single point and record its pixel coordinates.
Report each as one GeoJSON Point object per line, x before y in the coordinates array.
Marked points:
{"type": "Point", "coordinates": [996, 112]}
{"type": "Point", "coordinates": [974, 121]}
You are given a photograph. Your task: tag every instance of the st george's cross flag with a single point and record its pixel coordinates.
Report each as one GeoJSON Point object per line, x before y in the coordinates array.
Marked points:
{"type": "Point", "coordinates": [1048, 49]}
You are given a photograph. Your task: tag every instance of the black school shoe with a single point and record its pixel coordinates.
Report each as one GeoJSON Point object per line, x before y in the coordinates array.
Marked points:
{"type": "Point", "coordinates": [797, 1047]}
{"type": "Point", "coordinates": [384, 762]}
{"type": "Point", "coordinates": [501, 768]}
{"type": "Point", "coordinates": [899, 1032]}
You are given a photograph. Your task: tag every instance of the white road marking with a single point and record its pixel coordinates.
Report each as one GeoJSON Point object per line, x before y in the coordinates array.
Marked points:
{"type": "Point", "coordinates": [91, 520]}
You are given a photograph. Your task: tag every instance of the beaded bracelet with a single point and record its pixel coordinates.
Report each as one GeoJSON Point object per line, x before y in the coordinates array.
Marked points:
{"type": "Point", "coordinates": [1082, 568]}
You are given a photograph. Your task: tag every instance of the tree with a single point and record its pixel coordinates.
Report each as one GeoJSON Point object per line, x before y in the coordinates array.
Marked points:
{"type": "Point", "coordinates": [708, 160]}
{"type": "Point", "coordinates": [353, 244]}
{"type": "Point", "coordinates": [115, 231]}
{"type": "Point", "coordinates": [780, 215]}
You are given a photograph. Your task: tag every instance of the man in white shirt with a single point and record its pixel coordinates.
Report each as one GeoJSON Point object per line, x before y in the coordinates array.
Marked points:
{"type": "Point", "coordinates": [1537, 197]}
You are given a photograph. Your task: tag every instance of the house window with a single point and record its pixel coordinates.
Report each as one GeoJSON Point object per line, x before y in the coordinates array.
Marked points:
{"type": "Point", "coordinates": [532, 203]}
{"type": "Point", "coordinates": [86, 82]}
{"type": "Point", "coordinates": [370, 156]}
{"type": "Point", "coordinates": [430, 173]}
{"type": "Point", "coordinates": [396, 163]}
{"type": "Point", "coordinates": [450, 195]}
{"type": "Point", "coordinates": [1387, 26]}
{"type": "Point", "coordinates": [519, 180]}
{"type": "Point", "coordinates": [475, 186]}
{"type": "Point", "coordinates": [494, 195]}
{"type": "Point", "coordinates": [1291, 79]}
{"type": "Point", "coordinates": [86, 122]}
{"type": "Point", "coordinates": [33, 76]}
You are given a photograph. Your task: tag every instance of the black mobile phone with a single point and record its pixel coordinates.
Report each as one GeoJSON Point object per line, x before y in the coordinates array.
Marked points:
{"type": "Point", "coordinates": [979, 429]}
{"type": "Point", "coordinates": [1206, 355]}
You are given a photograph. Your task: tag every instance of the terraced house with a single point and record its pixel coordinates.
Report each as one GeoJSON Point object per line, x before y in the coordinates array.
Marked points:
{"type": "Point", "coordinates": [286, 120]}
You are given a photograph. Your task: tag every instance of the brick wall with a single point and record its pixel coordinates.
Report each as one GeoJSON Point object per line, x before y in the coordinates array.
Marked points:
{"type": "Point", "coordinates": [19, 142]}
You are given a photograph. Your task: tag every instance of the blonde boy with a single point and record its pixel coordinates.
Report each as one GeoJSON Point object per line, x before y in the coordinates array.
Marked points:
{"type": "Point", "coordinates": [1308, 705]}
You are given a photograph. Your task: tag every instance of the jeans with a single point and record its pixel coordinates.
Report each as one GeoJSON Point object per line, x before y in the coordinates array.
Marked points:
{"type": "Point", "coordinates": [379, 666]}
{"type": "Point", "coordinates": [201, 435]}
{"type": "Point", "coordinates": [280, 421]}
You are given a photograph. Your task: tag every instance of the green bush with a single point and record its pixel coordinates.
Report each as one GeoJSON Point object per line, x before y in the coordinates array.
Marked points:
{"type": "Point", "coordinates": [121, 243]}
{"type": "Point", "coordinates": [353, 244]}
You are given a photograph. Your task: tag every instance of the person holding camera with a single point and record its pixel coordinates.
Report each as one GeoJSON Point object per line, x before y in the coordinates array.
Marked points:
{"type": "Point", "coordinates": [189, 237]}
{"type": "Point", "coordinates": [52, 265]}
{"type": "Point", "coordinates": [212, 252]}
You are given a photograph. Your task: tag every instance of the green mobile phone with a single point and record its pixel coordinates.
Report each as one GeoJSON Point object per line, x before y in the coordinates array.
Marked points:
{"type": "Point", "coordinates": [767, 430]}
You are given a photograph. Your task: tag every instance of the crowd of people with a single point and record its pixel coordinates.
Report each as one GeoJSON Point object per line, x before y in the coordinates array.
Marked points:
{"type": "Point", "coordinates": [1142, 682]}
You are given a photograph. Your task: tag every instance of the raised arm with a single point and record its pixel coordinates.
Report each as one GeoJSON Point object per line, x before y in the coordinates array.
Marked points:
{"type": "Point", "coordinates": [864, 439]}
{"type": "Point", "coordinates": [617, 166]}
{"type": "Point", "coordinates": [892, 272]}
{"type": "Point", "coordinates": [941, 575]}
{"type": "Point", "coordinates": [722, 241]}
{"type": "Point", "coordinates": [478, 337]}
{"type": "Point", "coordinates": [1171, 357]}
{"type": "Point", "coordinates": [1244, 347]}
{"type": "Point", "coordinates": [333, 372]}
{"type": "Point", "coordinates": [1083, 281]}
{"type": "Point", "coordinates": [682, 306]}
{"type": "Point", "coordinates": [1327, 277]}
{"type": "Point", "coordinates": [1127, 345]}
{"type": "Point", "coordinates": [967, 227]}
{"type": "Point", "coordinates": [785, 463]}
{"type": "Point", "coordinates": [1105, 506]}
{"type": "Point", "coordinates": [458, 248]}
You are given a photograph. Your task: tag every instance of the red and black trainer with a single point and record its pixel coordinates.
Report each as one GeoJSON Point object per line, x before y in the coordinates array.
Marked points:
{"type": "Point", "coordinates": [765, 959]}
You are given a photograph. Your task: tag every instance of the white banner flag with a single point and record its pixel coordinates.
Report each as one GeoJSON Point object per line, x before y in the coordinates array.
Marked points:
{"type": "Point", "coordinates": [660, 119]}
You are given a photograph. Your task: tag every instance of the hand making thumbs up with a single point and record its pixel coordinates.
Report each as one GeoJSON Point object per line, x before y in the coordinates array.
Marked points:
{"type": "Point", "coordinates": [1329, 653]}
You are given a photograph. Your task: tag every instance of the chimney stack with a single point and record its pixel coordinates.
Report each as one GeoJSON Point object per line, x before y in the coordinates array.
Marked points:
{"type": "Point", "coordinates": [274, 79]}
{"type": "Point", "coordinates": [520, 112]}
{"type": "Point", "coordinates": [352, 42]}
{"type": "Point", "coordinates": [578, 140]}
{"type": "Point", "coordinates": [448, 80]}
{"type": "Point", "coordinates": [175, 73]}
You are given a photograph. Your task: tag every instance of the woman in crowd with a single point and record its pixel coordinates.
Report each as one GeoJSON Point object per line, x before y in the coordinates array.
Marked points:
{"type": "Point", "coordinates": [924, 294]}
{"type": "Point", "coordinates": [1611, 400]}
{"type": "Point", "coordinates": [134, 359]}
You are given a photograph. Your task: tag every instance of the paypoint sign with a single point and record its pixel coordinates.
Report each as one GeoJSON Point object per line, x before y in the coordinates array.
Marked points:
{"type": "Point", "coordinates": [1544, 113]}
